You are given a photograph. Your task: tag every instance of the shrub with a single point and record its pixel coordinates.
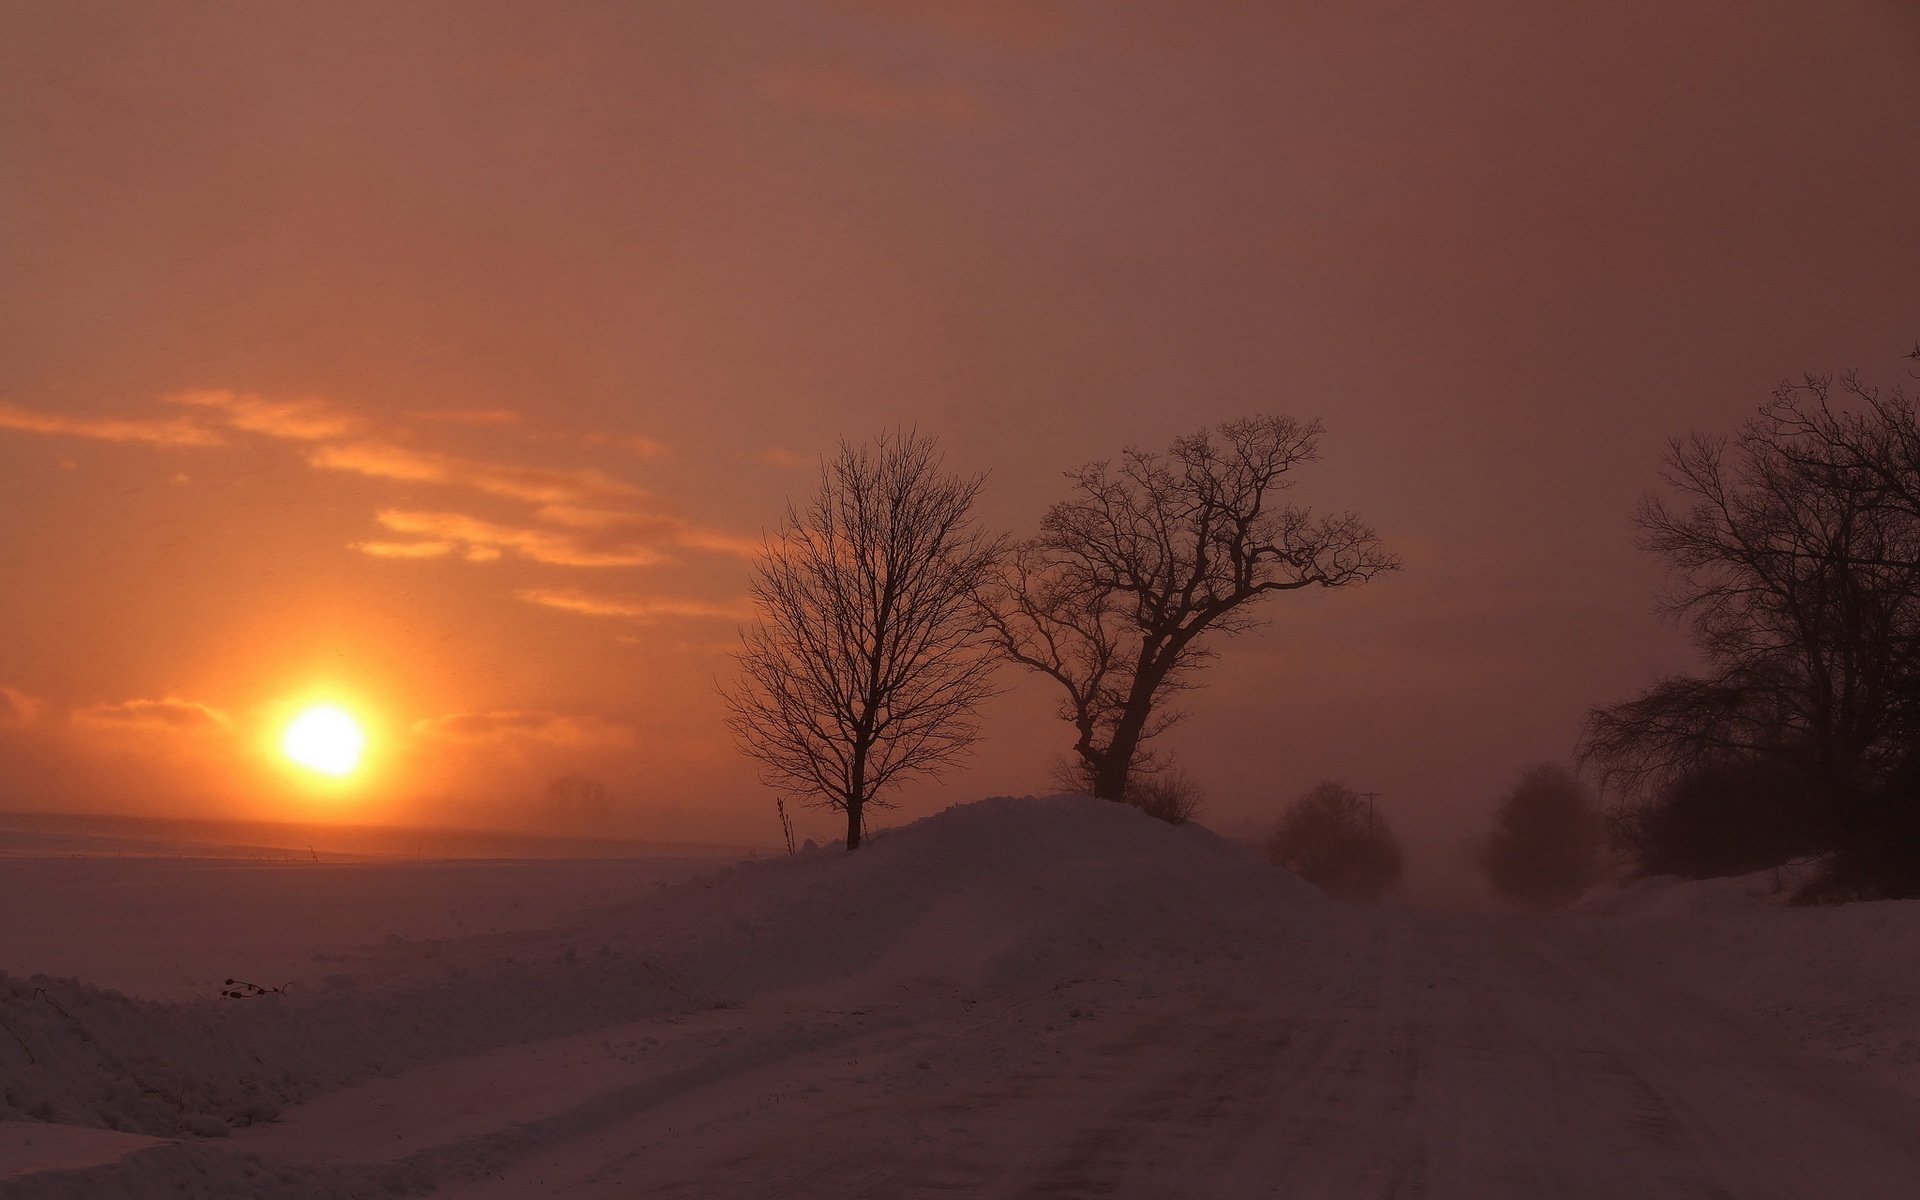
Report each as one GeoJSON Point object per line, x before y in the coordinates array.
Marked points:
{"type": "Point", "coordinates": [1334, 839]}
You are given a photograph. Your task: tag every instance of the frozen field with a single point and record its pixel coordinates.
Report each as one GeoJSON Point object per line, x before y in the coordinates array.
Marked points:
{"type": "Point", "coordinates": [1016, 998]}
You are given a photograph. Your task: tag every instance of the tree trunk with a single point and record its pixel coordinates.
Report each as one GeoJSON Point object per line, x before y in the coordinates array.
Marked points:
{"type": "Point", "coordinates": [1110, 780]}
{"type": "Point", "coordinates": [854, 806]}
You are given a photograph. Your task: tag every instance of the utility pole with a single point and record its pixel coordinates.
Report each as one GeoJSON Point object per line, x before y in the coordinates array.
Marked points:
{"type": "Point", "coordinates": [1370, 797]}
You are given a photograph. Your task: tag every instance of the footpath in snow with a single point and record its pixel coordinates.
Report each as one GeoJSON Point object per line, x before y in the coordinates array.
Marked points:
{"type": "Point", "coordinates": [1016, 997]}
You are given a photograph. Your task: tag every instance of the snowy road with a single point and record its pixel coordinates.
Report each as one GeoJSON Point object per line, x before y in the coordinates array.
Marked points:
{"type": "Point", "coordinates": [1018, 999]}
{"type": "Point", "coordinates": [1396, 1056]}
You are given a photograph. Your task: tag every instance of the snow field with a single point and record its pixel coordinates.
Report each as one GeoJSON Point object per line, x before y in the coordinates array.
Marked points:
{"type": "Point", "coordinates": [1012, 998]}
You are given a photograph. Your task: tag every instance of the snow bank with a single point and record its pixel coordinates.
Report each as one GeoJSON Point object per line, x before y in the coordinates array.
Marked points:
{"type": "Point", "coordinates": [1001, 897]}
{"type": "Point", "coordinates": [1837, 979]}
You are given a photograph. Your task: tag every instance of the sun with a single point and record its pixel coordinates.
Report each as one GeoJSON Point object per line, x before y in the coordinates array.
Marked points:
{"type": "Point", "coordinates": [324, 738]}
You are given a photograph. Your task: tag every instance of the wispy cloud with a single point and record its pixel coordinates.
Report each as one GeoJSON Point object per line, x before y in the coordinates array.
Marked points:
{"type": "Point", "coordinates": [169, 714]}
{"type": "Point", "coordinates": [632, 443]}
{"type": "Point", "coordinates": [555, 547]}
{"type": "Point", "coordinates": [17, 709]}
{"type": "Point", "coordinates": [654, 528]}
{"type": "Point", "coordinates": [523, 725]}
{"type": "Point", "coordinates": [303, 420]}
{"type": "Point", "coordinates": [153, 431]}
{"type": "Point", "coordinates": [468, 416]}
{"type": "Point", "coordinates": [635, 607]}
{"type": "Point", "coordinates": [405, 549]}
{"type": "Point", "coordinates": [844, 93]}
{"type": "Point", "coordinates": [537, 485]}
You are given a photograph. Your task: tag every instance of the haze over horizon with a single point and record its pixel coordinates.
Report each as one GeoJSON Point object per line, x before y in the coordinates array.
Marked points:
{"type": "Point", "coordinates": [448, 363]}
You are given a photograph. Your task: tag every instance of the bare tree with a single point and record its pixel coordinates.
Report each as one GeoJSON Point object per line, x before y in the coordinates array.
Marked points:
{"type": "Point", "coordinates": [1544, 849]}
{"type": "Point", "coordinates": [1797, 567]}
{"type": "Point", "coordinates": [1333, 838]}
{"type": "Point", "coordinates": [1794, 556]}
{"type": "Point", "coordinates": [869, 656]}
{"type": "Point", "coordinates": [1113, 599]}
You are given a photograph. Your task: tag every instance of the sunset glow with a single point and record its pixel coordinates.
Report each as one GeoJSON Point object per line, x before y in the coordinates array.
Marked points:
{"type": "Point", "coordinates": [326, 739]}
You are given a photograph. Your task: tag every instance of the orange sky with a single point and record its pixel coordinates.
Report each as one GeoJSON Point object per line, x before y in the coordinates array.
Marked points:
{"type": "Point", "coordinates": [445, 358]}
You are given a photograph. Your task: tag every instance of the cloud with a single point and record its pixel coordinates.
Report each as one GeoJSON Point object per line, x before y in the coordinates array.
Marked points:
{"type": "Point", "coordinates": [650, 527]}
{"type": "Point", "coordinates": [169, 714]}
{"type": "Point", "coordinates": [484, 540]}
{"type": "Point", "coordinates": [523, 725]}
{"type": "Point", "coordinates": [17, 709]}
{"type": "Point", "coordinates": [165, 431]}
{"type": "Point", "coordinates": [306, 420]}
{"type": "Point", "coordinates": [537, 485]}
{"type": "Point", "coordinates": [779, 456]}
{"type": "Point", "coordinates": [846, 94]}
{"type": "Point", "coordinates": [468, 416]}
{"type": "Point", "coordinates": [632, 443]}
{"type": "Point", "coordinates": [405, 549]}
{"type": "Point", "coordinates": [643, 608]}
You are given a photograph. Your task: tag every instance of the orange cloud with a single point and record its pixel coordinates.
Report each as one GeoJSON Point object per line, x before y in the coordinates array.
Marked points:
{"type": "Point", "coordinates": [294, 420]}
{"type": "Point", "coordinates": [541, 545]}
{"type": "Point", "coordinates": [643, 447]}
{"type": "Point", "coordinates": [468, 416]}
{"type": "Point", "coordinates": [406, 549]}
{"type": "Point", "coordinates": [17, 709]}
{"type": "Point", "coordinates": [644, 608]}
{"type": "Point", "coordinates": [169, 714]}
{"type": "Point", "coordinates": [523, 725]}
{"type": "Point", "coordinates": [538, 485]}
{"type": "Point", "coordinates": [169, 431]}
{"type": "Point", "coordinates": [779, 456]}
{"type": "Point", "coordinates": [650, 527]}
{"type": "Point", "coordinates": [846, 94]}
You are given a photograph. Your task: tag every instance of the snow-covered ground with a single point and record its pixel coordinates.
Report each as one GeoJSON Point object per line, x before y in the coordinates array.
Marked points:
{"type": "Point", "coordinates": [1053, 997]}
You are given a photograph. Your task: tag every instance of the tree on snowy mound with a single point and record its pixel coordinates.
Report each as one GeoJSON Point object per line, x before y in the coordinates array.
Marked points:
{"type": "Point", "coordinates": [1113, 599]}
{"type": "Point", "coordinates": [1545, 846]}
{"type": "Point", "coordinates": [869, 656]}
{"type": "Point", "coordinates": [1333, 838]}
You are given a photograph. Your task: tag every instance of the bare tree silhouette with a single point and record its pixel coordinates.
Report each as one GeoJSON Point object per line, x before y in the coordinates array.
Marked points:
{"type": "Point", "coordinates": [1795, 560]}
{"type": "Point", "coordinates": [1793, 551]}
{"type": "Point", "coordinates": [1113, 598]}
{"type": "Point", "coordinates": [869, 655]}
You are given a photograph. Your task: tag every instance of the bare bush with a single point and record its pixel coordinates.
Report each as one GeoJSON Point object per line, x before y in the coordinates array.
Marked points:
{"type": "Point", "coordinates": [1167, 794]}
{"type": "Point", "coordinates": [1170, 796]}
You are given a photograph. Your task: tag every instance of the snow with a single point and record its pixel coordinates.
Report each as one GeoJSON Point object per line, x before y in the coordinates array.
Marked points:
{"type": "Point", "coordinates": [1013, 997]}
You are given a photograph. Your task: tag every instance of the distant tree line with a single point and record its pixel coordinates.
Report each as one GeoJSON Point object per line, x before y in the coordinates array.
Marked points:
{"type": "Point", "coordinates": [1793, 556]}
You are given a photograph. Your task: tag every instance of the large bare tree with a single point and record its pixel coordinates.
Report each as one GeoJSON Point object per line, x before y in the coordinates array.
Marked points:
{"type": "Point", "coordinates": [1795, 561]}
{"type": "Point", "coordinates": [1114, 599]}
{"type": "Point", "coordinates": [868, 658]}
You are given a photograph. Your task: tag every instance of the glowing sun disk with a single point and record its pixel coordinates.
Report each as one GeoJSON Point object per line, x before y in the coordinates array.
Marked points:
{"type": "Point", "coordinates": [325, 739]}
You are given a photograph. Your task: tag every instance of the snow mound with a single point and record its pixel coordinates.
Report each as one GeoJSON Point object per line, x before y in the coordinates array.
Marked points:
{"type": "Point", "coordinates": [1670, 895]}
{"type": "Point", "coordinates": [1000, 899]}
